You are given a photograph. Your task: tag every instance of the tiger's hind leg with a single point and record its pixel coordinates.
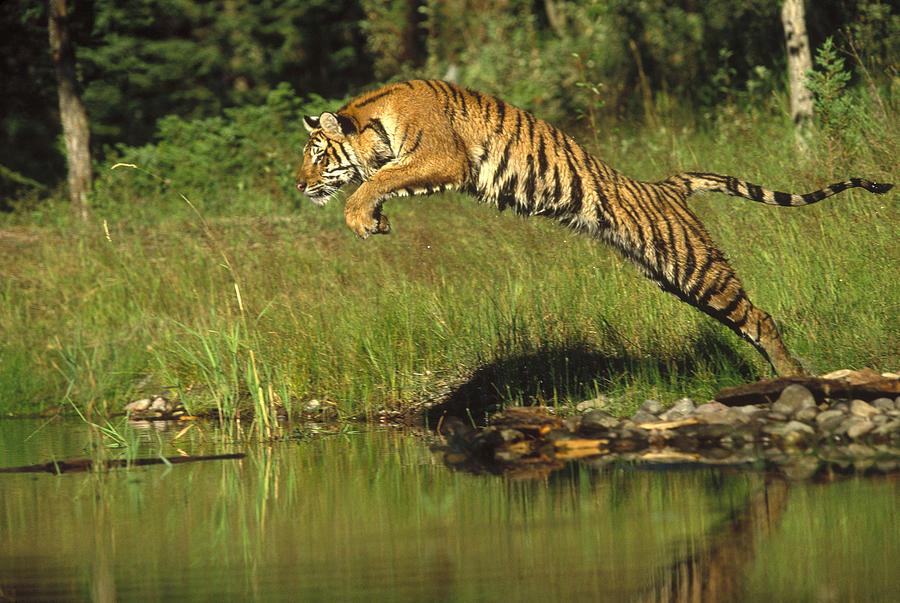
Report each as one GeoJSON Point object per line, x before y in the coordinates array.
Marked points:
{"type": "Point", "coordinates": [713, 288]}
{"type": "Point", "coordinates": [688, 264]}
{"type": "Point", "coordinates": [754, 325]}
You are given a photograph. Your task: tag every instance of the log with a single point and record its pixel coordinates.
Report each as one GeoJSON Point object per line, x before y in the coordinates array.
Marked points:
{"type": "Point", "coordinates": [864, 385]}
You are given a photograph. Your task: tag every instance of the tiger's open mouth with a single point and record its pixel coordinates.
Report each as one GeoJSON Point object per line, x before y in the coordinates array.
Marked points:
{"type": "Point", "coordinates": [320, 195]}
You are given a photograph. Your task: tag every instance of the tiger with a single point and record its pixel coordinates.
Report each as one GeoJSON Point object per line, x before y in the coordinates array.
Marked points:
{"type": "Point", "coordinates": [429, 136]}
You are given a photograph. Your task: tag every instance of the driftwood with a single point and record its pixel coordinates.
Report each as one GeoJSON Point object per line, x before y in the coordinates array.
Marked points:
{"type": "Point", "coordinates": [78, 465]}
{"type": "Point", "coordinates": [864, 385]}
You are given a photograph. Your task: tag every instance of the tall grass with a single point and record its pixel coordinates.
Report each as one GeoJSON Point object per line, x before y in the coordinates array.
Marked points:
{"type": "Point", "coordinates": [255, 304]}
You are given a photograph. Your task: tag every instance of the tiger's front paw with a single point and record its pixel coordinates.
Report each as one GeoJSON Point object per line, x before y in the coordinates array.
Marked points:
{"type": "Point", "coordinates": [364, 224]}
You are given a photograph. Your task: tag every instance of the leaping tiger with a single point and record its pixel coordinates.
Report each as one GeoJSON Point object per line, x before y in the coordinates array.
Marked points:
{"type": "Point", "coordinates": [426, 136]}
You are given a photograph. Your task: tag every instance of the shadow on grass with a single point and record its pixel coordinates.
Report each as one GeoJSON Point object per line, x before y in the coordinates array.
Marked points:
{"type": "Point", "coordinates": [575, 370]}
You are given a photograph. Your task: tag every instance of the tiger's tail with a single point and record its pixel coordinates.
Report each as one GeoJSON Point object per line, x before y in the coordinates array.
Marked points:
{"type": "Point", "coordinates": [695, 182]}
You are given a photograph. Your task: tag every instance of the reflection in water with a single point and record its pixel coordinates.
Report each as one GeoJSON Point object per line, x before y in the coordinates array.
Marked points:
{"type": "Point", "coordinates": [713, 569]}
{"type": "Point", "coordinates": [378, 516]}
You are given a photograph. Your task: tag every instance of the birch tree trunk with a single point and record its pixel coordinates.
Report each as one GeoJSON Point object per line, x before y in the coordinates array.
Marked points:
{"type": "Point", "coordinates": [71, 110]}
{"type": "Point", "coordinates": [799, 60]}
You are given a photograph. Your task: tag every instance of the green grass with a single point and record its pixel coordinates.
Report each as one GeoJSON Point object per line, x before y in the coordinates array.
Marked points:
{"type": "Point", "coordinates": [266, 302]}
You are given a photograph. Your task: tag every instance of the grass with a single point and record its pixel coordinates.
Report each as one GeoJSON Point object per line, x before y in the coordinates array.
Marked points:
{"type": "Point", "coordinates": [254, 305]}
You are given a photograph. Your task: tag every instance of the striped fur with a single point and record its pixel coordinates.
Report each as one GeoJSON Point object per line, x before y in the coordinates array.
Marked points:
{"type": "Point", "coordinates": [422, 137]}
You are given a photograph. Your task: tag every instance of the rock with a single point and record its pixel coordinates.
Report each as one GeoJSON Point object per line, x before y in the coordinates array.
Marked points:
{"type": "Point", "coordinates": [791, 433]}
{"type": "Point", "coordinates": [750, 410]}
{"type": "Point", "coordinates": [861, 408]}
{"type": "Point", "coordinates": [777, 416]}
{"type": "Point", "coordinates": [792, 399]}
{"type": "Point", "coordinates": [600, 401]}
{"type": "Point", "coordinates": [859, 429]}
{"type": "Point", "coordinates": [681, 409]}
{"type": "Point", "coordinates": [598, 420]}
{"type": "Point", "coordinates": [847, 424]}
{"type": "Point", "coordinates": [642, 416]}
{"type": "Point", "coordinates": [829, 420]}
{"type": "Point", "coordinates": [713, 431]}
{"type": "Point", "coordinates": [138, 405]}
{"type": "Point", "coordinates": [807, 414]}
{"type": "Point", "coordinates": [159, 404]}
{"type": "Point", "coordinates": [724, 415]}
{"type": "Point", "coordinates": [860, 451]}
{"type": "Point", "coordinates": [710, 408]}
{"type": "Point", "coordinates": [883, 404]}
{"type": "Point", "coordinates": [891, 427]}
{"type": "Point", "coordinates": [652, 406]}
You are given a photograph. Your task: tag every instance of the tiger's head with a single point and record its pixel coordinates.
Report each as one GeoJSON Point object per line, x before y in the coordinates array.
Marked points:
{"type": "Point", "coordinates": [329, 161]}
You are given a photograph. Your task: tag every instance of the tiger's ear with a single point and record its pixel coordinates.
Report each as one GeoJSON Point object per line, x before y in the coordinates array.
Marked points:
{"type": "Point", "coordinates": [310, 123]}
{"type": "Point", "coordinates": [337, 124]}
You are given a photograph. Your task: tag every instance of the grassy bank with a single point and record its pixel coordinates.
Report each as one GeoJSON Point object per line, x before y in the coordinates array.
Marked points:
{"type": "Point", "coordinates": [255, 298]}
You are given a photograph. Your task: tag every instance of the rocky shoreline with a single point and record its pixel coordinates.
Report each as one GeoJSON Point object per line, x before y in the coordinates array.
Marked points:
{"type": "Point", "coordinates": [797, 429]}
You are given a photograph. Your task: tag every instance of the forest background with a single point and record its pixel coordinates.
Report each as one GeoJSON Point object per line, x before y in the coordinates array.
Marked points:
{"type": "Point", "coordinates": [205, 99]}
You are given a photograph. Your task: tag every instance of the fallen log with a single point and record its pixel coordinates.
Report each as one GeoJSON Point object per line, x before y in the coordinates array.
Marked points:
{"type": "Point", "coordinates": [863, 385]}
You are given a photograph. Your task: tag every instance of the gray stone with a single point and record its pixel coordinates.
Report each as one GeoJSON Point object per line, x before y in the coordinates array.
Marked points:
{"type": "Point", "coordinates": [779, 429]}
{"type": "Point", "coordinates": [726, 416]}
{"type": "Point", "coordinates": [652, 406]}
{"type": "Point", "coordinates": [861, 408]}
{"type": "Point", "coordinates": [883, 404]}
{"type": "Point", "coordinates": [806, 414]}
{"type": "Point", "coordinates": [859, 429]}
{"type": "Point", "coordinates": [680, 410]}
{"type": "Point", "coordinates": [791, 433]}
{"type": "Point", "coordinates": [598, 420]}
{"type": "Point", "coordinates": [829, 420]}
{"type": "Point", "coordinates": [642, 416]}
{"type": "Point", "coordinates": [159, 404]}
{"type": "Point", "coordinates": [891, 427]}
{"type": "Point", "coordinates": [599, 402]}
{"type": "Point", "coordinates": [138, 405]}
{"type": "Point", "coordinates": [793, 398]}
{"type": "Point", "coordinates": [777, 416]}
{"type": "Point", "coordinates": [710, 408]}
{"type": "Point", "coordinates": [847, 424]}
{"type": "Point", "coordinates": [685, 405]}
{"type": "Point", "coordinates": [714, 431]}
{"type": "Point", "coordinates": [750, 411]}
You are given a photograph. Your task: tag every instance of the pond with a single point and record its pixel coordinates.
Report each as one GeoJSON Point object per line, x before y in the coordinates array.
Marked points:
{"type": "Point", "coordinates": [377, 515]}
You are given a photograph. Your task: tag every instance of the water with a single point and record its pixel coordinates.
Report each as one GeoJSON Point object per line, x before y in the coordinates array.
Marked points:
{"type": "Point", "coordinates": [377, 516]}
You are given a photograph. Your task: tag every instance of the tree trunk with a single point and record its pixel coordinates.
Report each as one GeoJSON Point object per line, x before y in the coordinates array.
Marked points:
{"type": "Point", "coordinates": [799, 60]}
{"type": "Point", "coordinates": [71, 110]}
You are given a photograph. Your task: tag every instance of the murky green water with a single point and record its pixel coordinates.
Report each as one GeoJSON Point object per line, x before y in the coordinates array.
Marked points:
{"type": "Point", "coordinates": [377, 516]}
